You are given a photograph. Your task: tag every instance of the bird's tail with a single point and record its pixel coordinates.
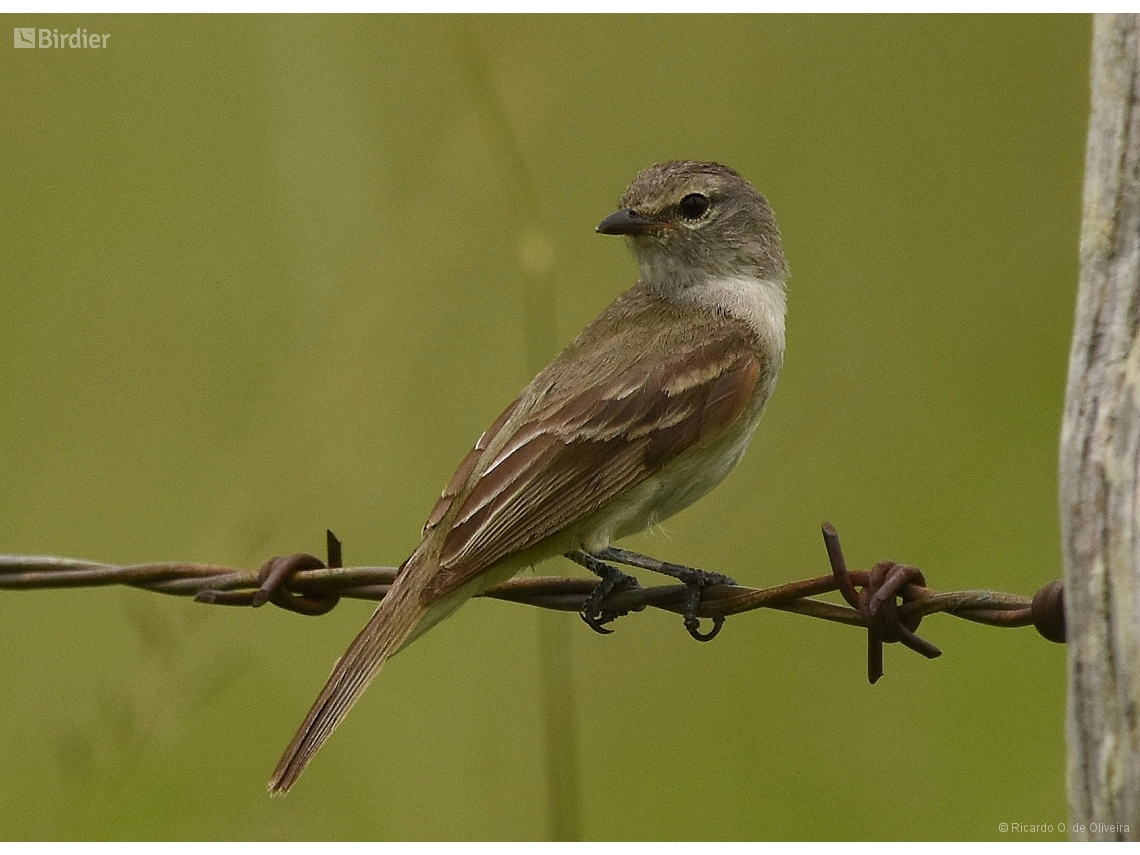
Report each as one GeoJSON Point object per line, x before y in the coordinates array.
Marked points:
{"type": "Point", "coordinates": [399, 619]}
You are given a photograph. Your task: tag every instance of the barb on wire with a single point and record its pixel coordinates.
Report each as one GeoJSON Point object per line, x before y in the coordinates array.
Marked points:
{"type": "Point", "coordinates": [889, 600]}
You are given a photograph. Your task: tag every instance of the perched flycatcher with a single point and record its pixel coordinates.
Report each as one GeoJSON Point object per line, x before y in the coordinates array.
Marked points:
{"type": "Point", "coordinates": [646, 411]}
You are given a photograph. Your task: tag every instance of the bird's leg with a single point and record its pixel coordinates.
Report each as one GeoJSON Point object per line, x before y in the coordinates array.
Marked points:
{"type": "Point", "coordinates": [692, 578]}
{"type": "Point", "coordinates": [611, 578]}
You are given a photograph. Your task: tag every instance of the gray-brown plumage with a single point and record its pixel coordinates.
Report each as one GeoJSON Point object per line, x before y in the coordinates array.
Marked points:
{"type": "Point", "coordinates": [648, 409]}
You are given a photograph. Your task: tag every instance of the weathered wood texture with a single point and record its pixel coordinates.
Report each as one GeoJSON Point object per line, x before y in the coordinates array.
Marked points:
{"type": "Point", "coordinates": [1100, 457]}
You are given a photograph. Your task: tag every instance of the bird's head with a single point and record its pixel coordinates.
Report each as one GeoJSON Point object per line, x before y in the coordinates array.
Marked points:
{"type": "Point", "coordinates": [690, 219]}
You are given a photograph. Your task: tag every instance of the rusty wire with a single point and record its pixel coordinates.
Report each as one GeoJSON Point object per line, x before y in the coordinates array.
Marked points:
{"type": "Point", "coordinates": [889, 600]}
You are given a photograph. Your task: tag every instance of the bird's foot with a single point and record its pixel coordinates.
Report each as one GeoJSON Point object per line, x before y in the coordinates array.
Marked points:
{"type": "Point", "coordinates": [692, 603]}
{"type": "Point", "coordinates": [611, 579]}
{"type": "Point", "coordinates": [693, 579]}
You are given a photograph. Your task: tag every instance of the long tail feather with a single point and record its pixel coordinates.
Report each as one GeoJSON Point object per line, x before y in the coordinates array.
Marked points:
{"type": "Point", "coordinates": [390, 626]}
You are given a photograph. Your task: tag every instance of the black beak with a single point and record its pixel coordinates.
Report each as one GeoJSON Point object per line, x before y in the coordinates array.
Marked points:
{"type": "Point", "coordinates": [627, 222]}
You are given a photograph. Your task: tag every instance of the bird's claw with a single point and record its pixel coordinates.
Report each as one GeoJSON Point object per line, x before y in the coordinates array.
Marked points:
{"type": "Point", "coordinates": [592, 613]}
{"type": "Point", "coordinates": [597, 622]}
{"type": "Point", "coordinates": [611, 579]}
{"type": "Point", "coordinates": [694, 581]}
{"type": "Point", "coordinates": [693, 625]}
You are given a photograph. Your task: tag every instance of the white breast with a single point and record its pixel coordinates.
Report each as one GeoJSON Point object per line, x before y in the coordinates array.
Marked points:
{"type": "Point", "coordinates": [760, 303]}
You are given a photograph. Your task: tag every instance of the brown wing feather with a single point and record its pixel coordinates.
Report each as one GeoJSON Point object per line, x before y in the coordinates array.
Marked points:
{"type": "Point", "coordinates": [575, 453]}
{"type": "Point", "coordinates": [466, 467]}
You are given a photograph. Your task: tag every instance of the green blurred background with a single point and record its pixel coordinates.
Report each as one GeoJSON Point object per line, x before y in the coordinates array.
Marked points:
{"type": "Point", "coordinates": [267, 275]}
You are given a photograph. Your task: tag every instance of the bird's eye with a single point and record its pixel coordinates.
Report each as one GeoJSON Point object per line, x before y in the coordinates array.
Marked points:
{"type": "Point", "coordinates": [694, 205]}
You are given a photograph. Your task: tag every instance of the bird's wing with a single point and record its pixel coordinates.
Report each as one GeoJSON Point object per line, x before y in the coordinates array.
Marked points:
{"type": "Point", "coordinates": [575, 451]}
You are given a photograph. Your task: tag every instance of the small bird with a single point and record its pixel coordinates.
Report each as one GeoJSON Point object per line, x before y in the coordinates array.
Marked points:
{"type": "Point", "coordinates": [648, 409]}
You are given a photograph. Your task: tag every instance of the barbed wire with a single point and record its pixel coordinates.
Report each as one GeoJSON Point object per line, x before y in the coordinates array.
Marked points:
{"type": "Point", "coordinates": [889, 600]}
